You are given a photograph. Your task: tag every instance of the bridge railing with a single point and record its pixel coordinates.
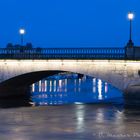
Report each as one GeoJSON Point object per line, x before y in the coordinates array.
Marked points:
{"type": "Point", "coordinates": [62, 53]}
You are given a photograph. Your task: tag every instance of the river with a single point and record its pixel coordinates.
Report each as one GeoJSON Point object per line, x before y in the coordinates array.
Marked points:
{"type": "Point", "coordinates": [71, 109]}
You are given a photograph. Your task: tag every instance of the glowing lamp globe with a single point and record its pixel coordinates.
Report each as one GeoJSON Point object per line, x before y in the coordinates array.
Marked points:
{"type": "Point", "coordinates": [22, 31]}
{"type": "Point", "coordinates": [130, 16]}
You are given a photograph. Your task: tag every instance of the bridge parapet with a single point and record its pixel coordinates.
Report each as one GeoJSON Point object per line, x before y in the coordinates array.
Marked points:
{"type": "Point", "coordinates": [133, 53]}
{"type": "Point", "coordinates": [62, 53]}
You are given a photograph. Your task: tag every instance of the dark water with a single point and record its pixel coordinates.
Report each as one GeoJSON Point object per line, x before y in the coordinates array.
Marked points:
{"type": "Point", "coordinates": [59, 91]}
{"type": "Point", "coordinates": [70, 122]}
{"type": "Point", "coordinates": [71, 109]}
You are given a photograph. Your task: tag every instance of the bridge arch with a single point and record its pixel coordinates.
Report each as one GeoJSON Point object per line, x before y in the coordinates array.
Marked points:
{"type": "Point", "coordinates": [119, 73]}
{"type": "Point", "coordinates": [19, 82]}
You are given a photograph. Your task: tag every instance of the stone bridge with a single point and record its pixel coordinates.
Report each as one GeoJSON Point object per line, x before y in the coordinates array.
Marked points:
{"type": "Point", "coordinates": [122, 74]}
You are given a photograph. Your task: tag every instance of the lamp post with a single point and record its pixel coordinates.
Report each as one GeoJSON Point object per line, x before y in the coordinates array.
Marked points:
{"type": "Point", "coordinates": [130, 17]}
{"type": "Point", "coordinates": [22, 32]}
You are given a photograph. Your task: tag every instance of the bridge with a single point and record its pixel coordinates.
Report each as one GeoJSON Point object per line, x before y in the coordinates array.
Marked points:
{"type": "Point", "coordinates": [22, 66]}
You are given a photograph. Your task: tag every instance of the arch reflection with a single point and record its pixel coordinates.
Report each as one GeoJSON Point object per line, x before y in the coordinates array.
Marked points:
{"type": "Point", "coordinates": [58, 90]}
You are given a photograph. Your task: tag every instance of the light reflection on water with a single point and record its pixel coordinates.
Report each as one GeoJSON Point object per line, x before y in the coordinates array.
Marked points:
{"type": "Point", "coordinates": [74, 90]}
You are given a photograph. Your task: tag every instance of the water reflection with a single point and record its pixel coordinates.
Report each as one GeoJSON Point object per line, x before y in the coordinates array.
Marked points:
{"type": "Point", "coordinates": [100, 97]}
{"type": "Point", "coordinates": [74, 90]}
{"type": "Point", "coordinates": [80, 117]}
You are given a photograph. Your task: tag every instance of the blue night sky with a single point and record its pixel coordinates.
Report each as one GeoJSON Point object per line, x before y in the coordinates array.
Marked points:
{"type": "Point", "coordinates": [69, 23]}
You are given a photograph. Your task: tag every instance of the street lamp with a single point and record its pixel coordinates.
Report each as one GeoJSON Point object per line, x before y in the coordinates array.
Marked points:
{"type": "Point", "coordinates": [130, 17]}
{"type": "Point", "coordinates": [22, 32]}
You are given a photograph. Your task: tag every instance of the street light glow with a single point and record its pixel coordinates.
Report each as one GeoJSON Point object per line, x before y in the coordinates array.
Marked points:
{"type": "Point", "coordinates": [130, 16]}
{"type": "Point", "coordinates": [22, 31]}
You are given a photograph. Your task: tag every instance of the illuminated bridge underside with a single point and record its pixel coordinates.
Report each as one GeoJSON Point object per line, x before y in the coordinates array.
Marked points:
{"type": "Point", "coordinates": [120, 73]}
